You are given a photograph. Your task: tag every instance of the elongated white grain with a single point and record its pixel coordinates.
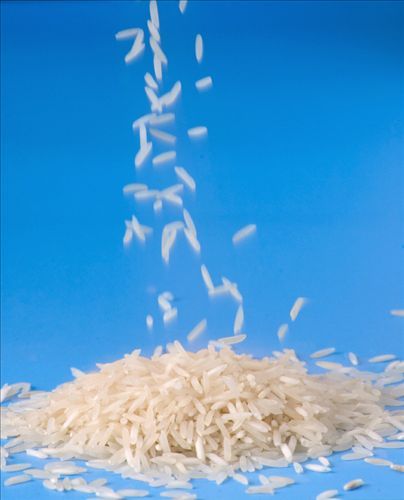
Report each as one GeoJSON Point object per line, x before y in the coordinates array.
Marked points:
{"type": "Point", "coordinates": [162, 119]}
{"type": "Point", "coordinates": [297, 307]}
{"type": "Point", "coordinates": [397, 467]}
{"type": "Point", "coordinates": [196, 132]}
{"type": "Point", "coordinates": [163, 136]}
{"type": "Point", "coordinates": [327, 494]}
{"type": "Point", "coordinates": [323, 353]}
{"type": "Point", "coordinates": [157, 50]}
{"type": "Point", "coordinates": [382, 358]}
{"type": "Point", "coordinates": [353, 359]}
{"type": "Point", "coordinates": [127, 237]}
{"type": "Point", "coordinates": [235, 339]}
{"type": "Point", "coordinates": [324, 461]}
{"type": "Point", "coordinates": [298, 468]}
{"type": "Point", "coordinates": [185, 177]}
{"type": "Point", "coordinates": [23, 478]}
{"type": "Point", "coordinates": [154, 13]}
{"type": "Point", "coordinates": [126, 34]}
{"type": "Point", "coordinates": [16, 467]}
{"type": "Point", "coordinates": [133, 188]}
{"type": "Point", "coordinates": [378, 461]}
{"type": "Point", "coordinates": [142, 136]}
{"type": "Point", "coordinates": [243, 233]}
{"type": "Point", "coordinates": [164, 158]}
{"type": "Point", "coordinates": [282, 331]}
{"type": "Point", "coordinates": [154, 32]}
{"type": "Point", "coordinates": [182, 5]}
{"type": "Point", "coordinates": [204, 83]}
{"type": "Point", "coordinates": [150, 81]}
{"type": "Point", "coordinates": [38, 453]}
{"type": "Point", "coordinates": [137, 47]}
{"type": "Point", "coordinates": [317, 468]}
{"type": "Point", "coordinates": [142, 155]}
{"type": "Point", "coordinates": [192, 240]}
{"type": "Point", "coordinates": [152, 96]}
{"type": "Point", "coordinates": [206, 277]}
{"type": "Point", "coordinates": [146, 194]}
{"type": "Point", "coordinates": [173, 198]}
{"type": "Point", "coordinates": [132, 493]}
{"type": "Point", "coordinates": [170, 315]}
{"type": "Point", "coordinates": [172, 95]}
{"type": "Point", "coordinates": [238, 320]}
{"type": "Point", "coordinates": [198, 47]}
{"type": "Point", "coordinates": [354, 484]}
{"type": "Point", "coordinates": [397, 312]}
{"type": "Point", "coordinates": [149, 321]}
{"type": "Point", "coordinates": [232, 288]}
{"type": "Point", "coordinates": [197, 330]}
{"type": "Point", "coordinates": [189, 221]}
{"type": "Point", "coordinates": [158, 70]}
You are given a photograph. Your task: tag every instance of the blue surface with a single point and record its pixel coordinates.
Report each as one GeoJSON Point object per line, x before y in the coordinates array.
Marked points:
{"type": "Point", "coordinates": [305, 139]}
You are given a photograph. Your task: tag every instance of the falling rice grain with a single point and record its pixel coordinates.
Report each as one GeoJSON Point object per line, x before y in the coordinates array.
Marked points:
{"type": "Point", "coordinates": [243, 233]}
{"type": "Point", "coordinates": [206, 277]}
{"type": "Point", "coordinates": [197, 330]}
{"type": "Point", "coordinates": [184, 176]}
{"type": "Point", "coordinates": [204, 83]}
{"type": "Point", "coordinates": [196, 132]}
{"type": "Point", "coordinates": [163, 136]}
{"type": "Point", "coordinates": [149, 321]}
{"type": "Point", "coordinates": [198, 48]}
{"type": "Point", "coordinates": [142, 154]}
{"type": "Point", "coordinates": [296, 308]}
{"type": "Point", "coordinates": [238, 320]}
{"type": "Point", "coordinates": [182, 5]}
{"type": "Point", "coordinates": [282, 331]}
{"type": "Point", "coordinates": [154, 13]}
{"type": "Point", "coordinates": [131, 493]}
{"type": "Point", "coordinates": [322, 353]}
{"type": "Point", "coordinates": [382, 358]}
{"type": "Point", "coordinates": [397, 312]}
{"type": "Point", "coordinates": [163, 158]}
{"type": "Point", "coordinates": [353, 358]}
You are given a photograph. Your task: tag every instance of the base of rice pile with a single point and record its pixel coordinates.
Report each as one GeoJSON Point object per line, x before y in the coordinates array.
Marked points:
{"type": "Point", "coordinates": [210, 414]}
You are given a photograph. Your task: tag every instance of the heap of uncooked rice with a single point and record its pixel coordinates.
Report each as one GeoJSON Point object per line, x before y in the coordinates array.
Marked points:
{"type": "Point", "coordinates": [206, 414]}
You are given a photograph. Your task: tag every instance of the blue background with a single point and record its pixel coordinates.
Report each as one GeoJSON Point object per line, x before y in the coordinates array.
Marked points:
{"type": "Point", "coordinates": [305, 139]}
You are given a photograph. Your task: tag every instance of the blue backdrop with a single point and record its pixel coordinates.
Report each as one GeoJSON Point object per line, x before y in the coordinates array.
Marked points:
{"type": "Point", "coordinates": [305, 139]}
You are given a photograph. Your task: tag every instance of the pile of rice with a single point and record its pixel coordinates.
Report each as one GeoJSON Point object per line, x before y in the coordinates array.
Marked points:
{"type": "Point", "coordinates": [181, 415]}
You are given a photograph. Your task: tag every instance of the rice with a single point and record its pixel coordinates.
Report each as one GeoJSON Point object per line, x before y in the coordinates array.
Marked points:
{"type": "Point", "coordinates": [182, 5]}
{"type": "Point", "coordinates": [317, 468]}
{"type": "Point", "coordinates": [196, 132]}
{"type": "Point", "coordinates": [149, 322]}
{"type": "Point", "coordinates": [238, 320]}
{"type": "Point", "coordinates": [327, 494]}
{"type": "Point", "coordinates": [138, 45]}
{"type": "Point", "coordinates": [163, 158]}
{"type": "Point", "coordinates": [163, 136]}
{"type": "Point", "coordinates": [236, 339]}
{"type": "Point", "coordinates": [150, 81]}
{"type": "Point", "coordinates": [134, 188]}
{"type": "Point", "coordinates": [353, 358]}
{"type": "Point", "coordinates": [378, 461]}
{"type": "Point", "coordinates": [154, 32]}
{"type": "Point", "coordinates": [206, 277]}
{"type": "Point", "coordinates": [199, 48]}
{"type": "Point", "coordinates": [397, 467]}
{"type": "Point", "coordinates": [204, 83]}
{"type": "Point", "coordinates": [298, 468]}
{"type": "Point", "coordinates": [397, 312]}
{"type": "Point", "coordinates": [142, 155]}
{"type": "Point", "coordinates": [282, 331]}
{"type": "Point", "coordinates": [16, 467]}
{"type": "Point", "coordinates": [185, 177]}
{"type": "Point", "coordinates": [132, 493]}
{"type": "Point", "coordinates": [353, 485]}
{"type": "Point", "coordinates": [382, 358]}
{"type": "Point", "coordinates": [158, 72]}
{"type": "Point", "coordinates": [296, 308]}
{"type": "Point", "coordinates": [197, 330]}
{"type": "Point", "coordinates": [243, 233]}
{"type": "Point", "coordinates": [154, 13]}
{"type": "Point", "coordinates": [322, 353]}
{"type": "Point", "coordinates": [170, 315]}
{"type": "Point", "coordinates": [192, 240]}
{"type": "Point", "coordinates": [158, 52]}
{"type": "Point", "coordinates": [162, 119]}
{"type": "Point", "coordinates": [23, 478]}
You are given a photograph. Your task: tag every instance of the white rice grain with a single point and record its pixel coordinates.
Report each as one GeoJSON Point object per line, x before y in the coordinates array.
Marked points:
{"type": "Point", "coordinates": [353, 485]}
{"type": "Point", "coordinates": [324, 495]}
{"type": "Point", "coordinates": [149, 322]}
{"type": "Point", "coordinates": [185, 177]}
{"type": "Point", "coordinates": [22, 478]}
{"type": "Point", "coordinates": [132, 493]}
{"type": "Point", "coordinates": [198, 48]}
{"type": "Point", "coordinates": [204, 83]}
{"type": "Point", "coordinates": [196, 132]}
{"type": "Point", "coordinates": [322, 353]}
{"type": "Point", "coordinates": [154, 32]}
{"type": "Point", "coordinates": [197, 330]}
{"type": "Point", "coordinates": [182, 5]}
{"type": "Point", "coordinates": [353, 358]}
{"type": "Point", "coordinates": [164, 158]}
{"type": "Point", "coordinates": [296, 308]}
{"type": "Point", "coordinates": [282, 331]}
{"type": "Point", "coordinates": [142, 155]}
{"type": "Point", "coordinates": [382, 358]}
{"type": "Point", "coordinates": [163, 136]}
{"type": "Point", "coordinates": [206, 277]}
{"type": "Point", "coordinates": [238, 320]}
{"type": "Point", "coordinates": [397, 312]}
{"type": "Point", "coordinates": [154, 13]}
{"type": "Point", "coordinates": [243, 233]}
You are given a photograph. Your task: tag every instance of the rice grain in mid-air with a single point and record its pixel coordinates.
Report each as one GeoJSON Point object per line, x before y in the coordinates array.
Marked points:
{"type": "Point", "coordinates": [199, 48]}
{"type": "Point", "coordinates": [243, 233]}
{"type": "Point", "coordinates": [196, 132]}
{"type": "Point", "coordinates": [204, 83]}
{"type": "Point", "coordinates": [296, 308]}
{"type": "Point", "coordinates": [164, 158]}
{"type": "Point", "coordinates": [185, 177]}
{"type": "Point", "coordinates": [197, 330]}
